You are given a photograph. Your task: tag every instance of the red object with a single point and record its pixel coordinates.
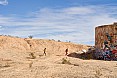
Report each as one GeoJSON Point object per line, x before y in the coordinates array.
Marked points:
{"type": "Point", "coordinates": [114, 51]}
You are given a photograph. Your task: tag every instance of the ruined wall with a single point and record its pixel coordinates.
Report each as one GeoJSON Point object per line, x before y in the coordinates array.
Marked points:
{"type": "Point", "coordinates": [100, 34]}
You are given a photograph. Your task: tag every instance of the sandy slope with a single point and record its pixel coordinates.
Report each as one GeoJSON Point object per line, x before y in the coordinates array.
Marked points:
{"type": "Point", "coordinates": [25, 45]}
{"type": "Point", "coordinates": [15, 61]}
{"type": "Point", "coordinates": [52, 67]}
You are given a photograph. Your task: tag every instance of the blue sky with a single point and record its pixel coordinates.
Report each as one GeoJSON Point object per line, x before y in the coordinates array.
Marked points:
{"type": "Point", "coordinates": [65, 20]}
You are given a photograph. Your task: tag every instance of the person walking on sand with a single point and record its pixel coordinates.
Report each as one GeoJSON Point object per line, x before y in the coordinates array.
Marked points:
{"type": "Point", "coordinates": [66, 52]}
{"type": "Point", "coordinates": [44, 51]}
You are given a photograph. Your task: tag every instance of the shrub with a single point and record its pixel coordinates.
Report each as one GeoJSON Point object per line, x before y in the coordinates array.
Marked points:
{"type": "Point", "coordinates": [65, 61]}
{"type": "Point", "coordinates": [53, 39]}
{"type": "Point", "coordinates": [59, 41]}
{"type": "Point", "coordinates": [32, 56]}
{"type": "Point", "coordinates": [30, 36]}
{"type": "Point", "coordinates": [7, 64]}
{"type": "Point", "coordinates": [98, 73]}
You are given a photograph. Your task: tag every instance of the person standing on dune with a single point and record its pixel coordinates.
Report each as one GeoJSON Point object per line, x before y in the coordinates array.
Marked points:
{"type": "Point", "coordinates": [44, 51]}
{"type": "Point", "coordinates": [66, 52]}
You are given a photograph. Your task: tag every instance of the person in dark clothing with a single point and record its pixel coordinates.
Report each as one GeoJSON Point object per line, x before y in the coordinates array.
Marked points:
{"type": "Point", "coordinates": [44, 51]}
{"type": "Point", "coordinates": [66, 51]}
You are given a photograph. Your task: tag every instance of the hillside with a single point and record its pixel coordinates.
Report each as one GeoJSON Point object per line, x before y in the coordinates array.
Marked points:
{"type": "Point", "coordinates": [37, 45]}
{"type": "Point", "coordinates": [16, 62]}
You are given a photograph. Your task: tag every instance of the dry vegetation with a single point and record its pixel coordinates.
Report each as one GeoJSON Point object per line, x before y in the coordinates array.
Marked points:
{"type": "Point", "coordinates": [15, 64]}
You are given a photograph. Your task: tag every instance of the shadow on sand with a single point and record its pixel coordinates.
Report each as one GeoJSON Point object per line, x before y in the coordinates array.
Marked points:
{"type": "Point", "coordinates": [84, 56]}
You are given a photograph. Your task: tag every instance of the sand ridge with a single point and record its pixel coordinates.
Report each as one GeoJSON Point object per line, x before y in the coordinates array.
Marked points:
{"type": "Point", "coordinates": [15, 61]}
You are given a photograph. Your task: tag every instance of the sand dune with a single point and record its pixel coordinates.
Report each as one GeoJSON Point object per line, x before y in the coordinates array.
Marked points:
{"type": "Point", "coordinates": [15, 61]}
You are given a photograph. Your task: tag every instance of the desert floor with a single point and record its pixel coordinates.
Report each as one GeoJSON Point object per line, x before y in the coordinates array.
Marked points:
{"type": "Point", "coordinates": [19, 65]}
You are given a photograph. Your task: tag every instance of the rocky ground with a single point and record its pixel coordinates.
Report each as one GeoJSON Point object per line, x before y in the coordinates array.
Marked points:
{"type": "Point", "coordinates": [20, 65]}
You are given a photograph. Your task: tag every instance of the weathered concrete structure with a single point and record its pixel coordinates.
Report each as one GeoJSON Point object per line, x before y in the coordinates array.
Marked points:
{"type": "Point", "coordinates": [101, 34]}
